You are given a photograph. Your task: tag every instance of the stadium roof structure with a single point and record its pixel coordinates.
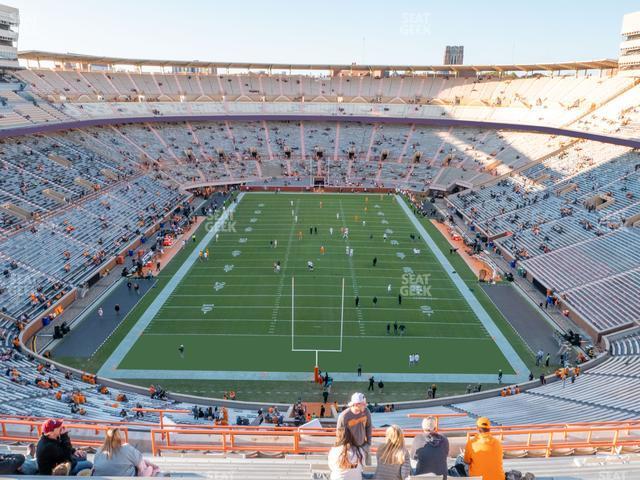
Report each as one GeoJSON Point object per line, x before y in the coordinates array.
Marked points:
{"type": "Point", "coordinates": [39, 55]}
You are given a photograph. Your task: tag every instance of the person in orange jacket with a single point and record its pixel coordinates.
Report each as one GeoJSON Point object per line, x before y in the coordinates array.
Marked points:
{"type": "Point", "coordinates": [483, 453]}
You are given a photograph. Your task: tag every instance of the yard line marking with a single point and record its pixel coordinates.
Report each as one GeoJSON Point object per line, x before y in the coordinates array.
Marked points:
{"type": "Point", "coordinates": [360, 337]}
{"type": "Point", "coordinates": [354, 282]}
{"type": "Point", "coordinates": [255, 320]}
{"type": "Point", "coordinates": [270, 295]}
{"type": "Point", "coordinates": [276, 306]}
{"type": "Point", "coordinates": [301, 269]}
{"type": "Point", "coordinates": [311, 307]}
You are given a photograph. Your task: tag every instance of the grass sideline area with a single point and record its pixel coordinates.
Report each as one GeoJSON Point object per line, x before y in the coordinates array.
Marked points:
{"type": "Point", "coordinates": [448, 337]}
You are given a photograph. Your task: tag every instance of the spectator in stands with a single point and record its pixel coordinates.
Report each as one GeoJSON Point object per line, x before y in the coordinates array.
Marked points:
{"type": "Point", "coordinates": [10, 463]}
{"type": "Point", "coordinates": [430, 449]}
{"type": "Point", "coordinates": [54, 448]}
{"type": "Point", "coordinates": [30, 465]}
{"type": "Point", "coordinates": [483, 453]}
{"type": "Point", "coordinates": [357, 419]}
{"type": "Point", "coordinates": [393, 457]}
{"type": "Point", "coordinates": [346, 459]}
{"type": "Point", "coordinates": [118, 459]}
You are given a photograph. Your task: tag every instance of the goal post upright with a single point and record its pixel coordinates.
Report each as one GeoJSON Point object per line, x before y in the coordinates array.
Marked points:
{"type": "Point", "coordinates": [292, 313]}
{"type": "Point", "coordinates": [342, 316]}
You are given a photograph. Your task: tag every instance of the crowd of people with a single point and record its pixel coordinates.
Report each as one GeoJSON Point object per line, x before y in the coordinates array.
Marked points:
{"type": "Point", "coordinates": [429, 451]}
{"type": "Point", "coordinates": [54, 454]}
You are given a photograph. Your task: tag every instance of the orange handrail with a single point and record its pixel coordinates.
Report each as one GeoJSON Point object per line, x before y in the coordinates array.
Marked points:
{"type": "Point", "coordinates": [544, 441]}
{"type": "Point", "coordinates": [543, 437]}
{"type": "Point", "coordinates": [36, 426]}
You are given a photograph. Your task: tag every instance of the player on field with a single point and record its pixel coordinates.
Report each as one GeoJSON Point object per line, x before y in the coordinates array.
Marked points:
{"type": "Point", "coordinates": [181, 350]}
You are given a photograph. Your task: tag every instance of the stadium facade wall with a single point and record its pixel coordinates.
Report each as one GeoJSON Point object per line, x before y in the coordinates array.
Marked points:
{"type": "Point", "coordinates": [432, 122]}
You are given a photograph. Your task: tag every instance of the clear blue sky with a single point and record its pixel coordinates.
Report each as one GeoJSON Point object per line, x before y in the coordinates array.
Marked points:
{"type": "Point", "coordinates": [327, 31]}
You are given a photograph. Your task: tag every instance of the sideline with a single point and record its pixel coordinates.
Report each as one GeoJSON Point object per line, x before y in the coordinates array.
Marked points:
{"type": "Point", "coordinates": [110, 367]}
{"type": "Point", "coordinates": [510, 354]}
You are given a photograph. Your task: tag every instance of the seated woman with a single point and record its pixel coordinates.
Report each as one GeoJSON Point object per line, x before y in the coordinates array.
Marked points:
{"type": "Point", "coordinates": [346, 460]}
{"type": "Point", "coordinates": [118, 459]}
{"type": "Point", "coordinates": [393, 457]}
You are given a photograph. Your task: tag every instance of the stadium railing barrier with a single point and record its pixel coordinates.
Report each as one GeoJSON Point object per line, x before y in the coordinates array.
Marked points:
{"type": "Point", "coordinates": [518, 440]}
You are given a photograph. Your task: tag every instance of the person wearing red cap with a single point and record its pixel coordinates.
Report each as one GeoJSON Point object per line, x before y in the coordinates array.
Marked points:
{"type": "Point", "coordinates": [54, 448]}
{"type": "Point", "coordinates": [483, 453]}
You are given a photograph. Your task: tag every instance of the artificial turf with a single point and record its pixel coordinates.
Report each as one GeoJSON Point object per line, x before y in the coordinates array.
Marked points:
{"type": "Point", "coordinates": [249, 323]}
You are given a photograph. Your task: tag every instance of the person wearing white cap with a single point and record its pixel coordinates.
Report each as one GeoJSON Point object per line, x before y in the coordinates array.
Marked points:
{"type": "Point", "coordinates": [357, 419]}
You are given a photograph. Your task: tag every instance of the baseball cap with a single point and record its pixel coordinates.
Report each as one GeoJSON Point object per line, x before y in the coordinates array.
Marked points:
{"type": "Point", "coordinates": [357, 398]}
{"type": "Point", "coordinates": [50, 425]}
{"type": "Point", "coordinates": [483, 422]}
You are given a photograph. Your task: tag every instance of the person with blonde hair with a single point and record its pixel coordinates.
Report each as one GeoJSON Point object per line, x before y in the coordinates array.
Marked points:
{"type": "Point", "coordinates": [393, 457]}
{"type": "Point", "coordinates": [115, 458]}
{"type": "Point", "coordinates": [346, 459]}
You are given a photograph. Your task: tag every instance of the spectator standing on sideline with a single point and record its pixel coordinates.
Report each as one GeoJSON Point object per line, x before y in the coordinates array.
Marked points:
{"type": "Point", "coordinates": [359, 369]}
{"type": "Point", "coordinates": [346, 458]}
{"type": "Point", "coordinates": [483, 453]}
{"type": "Point", "coordinates": [393, 461]}
{"type": "Point", "coordinates": [500, 376]}
{"type": "Point", "coordinates": [117, 309]}
{"type": "Point", "coordinates": [371, 384]}
{"type": "Point", "coordinates": [325, 394]}
{"type": "Point", "coordinates": [430, 450]}
{"type": "Point", "coordinates": [100, 312]}
{"type": "Point", "coordinates": [357, 419]}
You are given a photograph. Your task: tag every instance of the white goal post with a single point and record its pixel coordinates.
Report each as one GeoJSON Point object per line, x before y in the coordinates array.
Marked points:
{"type": "Point", "coordinates": [293, 324]}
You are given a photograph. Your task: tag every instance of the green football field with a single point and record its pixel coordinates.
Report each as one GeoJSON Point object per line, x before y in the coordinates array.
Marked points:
{"type": "Point", "coordinates": [234, 313]}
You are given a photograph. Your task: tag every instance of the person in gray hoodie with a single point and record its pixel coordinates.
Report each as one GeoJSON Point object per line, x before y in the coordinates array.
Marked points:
{"type": "Point", "coordinates": [430, 450]}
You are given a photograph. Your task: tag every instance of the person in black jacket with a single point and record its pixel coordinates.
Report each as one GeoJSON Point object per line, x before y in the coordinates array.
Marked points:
{"type": "Point", "coordinates": [10, 463]}
{"type": "Point", "coordinates": [54, 448]}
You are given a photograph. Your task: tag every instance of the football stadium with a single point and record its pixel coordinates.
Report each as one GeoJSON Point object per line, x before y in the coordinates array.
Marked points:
{"type": "Point", "coordinates": [261, 268]}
